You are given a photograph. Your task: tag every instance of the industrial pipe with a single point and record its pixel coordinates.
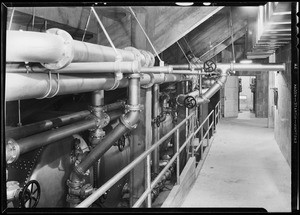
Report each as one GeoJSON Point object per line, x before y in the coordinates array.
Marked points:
{"type": "Point", "coordinates": [113, 110]}
{"type": "Point", "coordinates": [226, 68]}
{"type": "Point", "coordinates": [15, 148]}
{"type": "Point", "coordinates": [56, 49]}
{"type": "Point", "coordinates": [128, 121]}
{"type": "Point", "coordinates": [102, 67]}
{"type": "Point", "coordinates": [21, 86]}
{"type": "Point", "coordinates": [30, 129]}
{"type": "Point", "coordinates": [187, 66]}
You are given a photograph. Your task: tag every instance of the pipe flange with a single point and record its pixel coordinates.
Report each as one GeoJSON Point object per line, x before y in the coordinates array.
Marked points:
{"type": "Point", "coordinates": [147, 58]}
{"type": "Point", "coordinates": [127, 123]}
{"type": "Point", "coordinates": [12, 151]}
{"type": "Point", "coordinates": [137, 54]}
{"type": "Point", "coordinates": [138, 107]}
{"type": "Point", "coordinates": [68, 54]}
{"type": "Point", "coordinates": [75, 184]}
{"type": "Point", "coordinates": [151, 83]}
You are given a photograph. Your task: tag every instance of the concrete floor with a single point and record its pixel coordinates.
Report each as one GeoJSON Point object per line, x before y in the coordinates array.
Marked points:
{"type": "Point", "coordinates": [244, 168]}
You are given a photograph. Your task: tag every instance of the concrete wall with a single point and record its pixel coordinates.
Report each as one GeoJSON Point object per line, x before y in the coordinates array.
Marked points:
{"type": "Point", "coordinates": [231, 97]}
{"type": "Point", "coordinates": [262, 95]}
{"type": "Point", "coordinates": [246, 96]}
{"type": "Point", "coordinates": [283, 111]}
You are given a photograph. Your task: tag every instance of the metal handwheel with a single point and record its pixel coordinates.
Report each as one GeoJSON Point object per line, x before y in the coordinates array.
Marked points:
{"type": "Point", "coordinates": [31, 192]}
{"type": "Point", "coordinates": [189, 102]}
{"type": "Point", "coordinates": [209, 66]}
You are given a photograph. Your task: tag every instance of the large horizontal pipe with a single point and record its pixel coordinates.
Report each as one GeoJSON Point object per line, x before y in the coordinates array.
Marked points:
{"type": "Point", "coordinates": [251, 67]}
{"type": "Point", "coordinates": [34, 128]}
{"type": "Point", "coordinates": [103, 67]}
{"type": "Point", "coordinates": [186, 66]}
{"type": "Point", "coordinates": [16, 148]}
{"type": "Point", "coordinates": [21, 86]}
{"type": "Point", "coordinates": [56, 49]}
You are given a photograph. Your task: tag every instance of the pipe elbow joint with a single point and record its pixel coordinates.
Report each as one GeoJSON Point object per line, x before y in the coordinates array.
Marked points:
{"type": "Point", "coordinates": [202, 100]}
{"type": "Point", "coordinates": [131, 119]}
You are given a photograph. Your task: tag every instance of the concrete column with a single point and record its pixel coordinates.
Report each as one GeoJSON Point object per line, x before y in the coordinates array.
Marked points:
{"type": "Point", "coordinates": [142, 135]}
{"type": "Point", "coordinates": [271, 105]}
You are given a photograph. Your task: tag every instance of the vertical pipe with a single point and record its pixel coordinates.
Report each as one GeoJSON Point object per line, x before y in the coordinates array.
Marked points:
{"type": "Point", "coordinates": [95, 135]}
{"type": "Point", "coordinates": [155, 113]}
{"type": "Point", "coordinates": [178, 160]}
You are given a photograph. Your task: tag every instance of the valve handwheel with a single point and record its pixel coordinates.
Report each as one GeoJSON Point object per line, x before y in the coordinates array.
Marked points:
{"type": "Point", "coordinates": [209, 66]}
{"type": "Point", "coordinates": [189, 102]}
{"type": "Point", "coordinates": [121, 143]}
{"type": "Point", "coordinates": [31, 192]}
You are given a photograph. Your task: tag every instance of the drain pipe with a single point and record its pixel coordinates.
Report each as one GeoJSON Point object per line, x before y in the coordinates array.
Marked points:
{"type": "Point", "coordinates": [128, 121]}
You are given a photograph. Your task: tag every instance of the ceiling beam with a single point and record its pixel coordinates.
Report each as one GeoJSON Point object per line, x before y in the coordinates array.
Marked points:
{"type": "Point", "coordinates": [223, 45]}
{"type": "Point", "coordinates": [172, 23]}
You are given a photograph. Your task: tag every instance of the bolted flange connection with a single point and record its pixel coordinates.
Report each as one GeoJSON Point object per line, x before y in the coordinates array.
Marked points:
{"type": "Point", "coordinates": [68, 54]}
{"type": "Point", "coordinates": [12, 151]}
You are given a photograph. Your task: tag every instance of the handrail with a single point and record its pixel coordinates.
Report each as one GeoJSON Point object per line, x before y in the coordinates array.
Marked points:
{"type": "Point", "coordinates": [150, 185]}
{"type": "Point", "coordinates": [100, 191]}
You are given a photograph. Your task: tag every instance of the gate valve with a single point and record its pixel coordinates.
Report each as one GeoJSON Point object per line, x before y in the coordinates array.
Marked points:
{"type": "Point", "coordinates": [31, 192]}
{"type": "Point", "coordinates": [209, 66]}
{"type": "Point", "coordinates": [121, 143]}
{"type": "Point", "coordinates": [190, 102]}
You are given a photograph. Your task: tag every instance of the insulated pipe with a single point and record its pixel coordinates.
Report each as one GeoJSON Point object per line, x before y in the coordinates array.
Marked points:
{"type": "Point", "coordinates": [88, 52]}
{"type": "Point", "coordinates": [103, 67]}
{"type": "Point", "coordinates": [15, 148]}
{"type": "Point", "coordinates": [21, 86]}
{"type": "Point", "coordinates": [28, 46]}
{"type": "Point", "coordinates": [128, 121]}
{"type": "Point", "coordinates": [186, 66]}
{"type": "Point", "coordinates": [56, 49]}
{"type": "Point", "coordinates": [34, 128]}
{"type": "Point", "coordinates": [30, 129]}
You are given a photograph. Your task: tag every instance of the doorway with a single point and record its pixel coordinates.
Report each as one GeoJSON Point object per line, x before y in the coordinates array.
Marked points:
{"type": "Point", "coordinates": [246, 104]}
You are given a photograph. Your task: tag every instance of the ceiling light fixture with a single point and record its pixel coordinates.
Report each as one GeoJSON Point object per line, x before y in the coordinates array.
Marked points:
{"type": "Point", "coordinates": [184, 3]}
{"type": "Point", "coordinates": [206, 3]}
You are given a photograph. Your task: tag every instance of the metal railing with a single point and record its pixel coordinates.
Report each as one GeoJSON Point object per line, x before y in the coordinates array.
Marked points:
{"type": "Point", "coordinates": [147, 154]}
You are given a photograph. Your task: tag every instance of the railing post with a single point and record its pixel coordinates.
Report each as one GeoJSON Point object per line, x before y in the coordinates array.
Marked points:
{"type": "Point", "coordinates": [208, 124]}
{"type": "Point", "coordinates": [177, 161]}
{"type": "Point", "coordinates": [214, 118]}
{"type": "Point", "coordinates": [149, 200]}
{"type": "Point", "coordinates": [193, 130]}
{"type": "Point", "coordinates": [201, 142]}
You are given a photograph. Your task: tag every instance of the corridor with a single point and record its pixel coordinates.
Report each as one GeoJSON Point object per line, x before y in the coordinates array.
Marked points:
{"type": "Point", "coordinates": [244, 168]}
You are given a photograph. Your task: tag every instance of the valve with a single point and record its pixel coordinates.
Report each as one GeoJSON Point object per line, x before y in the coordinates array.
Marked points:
{"type": "Point", "coordinates": [190, 102]}
{"type": "Point", "coordinates": [121, 143]}
{"type": "Point", "coordinates": [209, 66]}
{"type": "Point", "coordinates": [157, 121]}
{"type": "Point", "coordinates": [31, 194]}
